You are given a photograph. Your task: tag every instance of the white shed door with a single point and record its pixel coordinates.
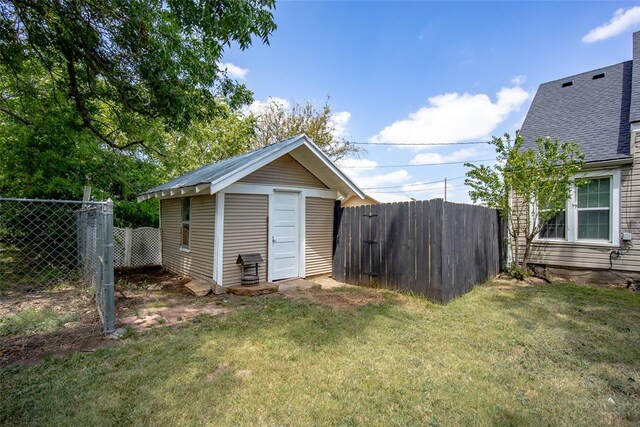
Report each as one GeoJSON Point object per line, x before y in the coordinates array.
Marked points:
{"type": "Point", "coordinates": [284, 239]}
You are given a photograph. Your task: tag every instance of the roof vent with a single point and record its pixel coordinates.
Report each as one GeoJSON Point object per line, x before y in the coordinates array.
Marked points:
{"type": "Point", "coordinates": [567, 84]}
{"type": "Point", "coordinates": [598, 76]}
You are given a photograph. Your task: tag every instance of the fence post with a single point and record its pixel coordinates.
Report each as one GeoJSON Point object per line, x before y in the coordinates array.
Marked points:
{"type": "Point", "coordinates": [128, 238]}
{"type": "Point", "coordinates": [108, 286]}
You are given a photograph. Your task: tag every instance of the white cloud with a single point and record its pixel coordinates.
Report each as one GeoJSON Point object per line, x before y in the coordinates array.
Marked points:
{"type": "Point", "coordinates": [356, 165]}
{"type": "Point", "coordinates": [339, 122]}
{"type": "Point", "coordinates": [519, 80]}
{"type": "Point", "coordinates": [425, 191]}
{"type": "Point", "coordinates": [233, 70]}
{"type": "Point", "coordinates": [455, 117]}
{"type": "Point", "coordinates": [258, 107]}
{"type": "Point", "coordinates": [382, 180]}
{"type": "Point", "coordinates": [456, 192]}
{"type": "Point", "coordinates": [456, 156]}
{"type": "Point", "coordinates": [360, 171]}
{"type": "Point", "coordinates": [622, 20]}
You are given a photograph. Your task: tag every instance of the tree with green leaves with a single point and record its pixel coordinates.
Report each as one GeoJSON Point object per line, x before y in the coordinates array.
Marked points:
{"type": "Point", "coordinates": [224, 136]}
{"type": "Point", "coordinates": [277, 121]}
{"type": "Point", "coordinates": [121, 62]}
{"type": "Point", "coordinates": [529, 187]}
{"type": "Point", "coordinates": [115, 93]}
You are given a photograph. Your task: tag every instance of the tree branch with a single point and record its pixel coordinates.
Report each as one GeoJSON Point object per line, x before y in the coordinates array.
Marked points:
{"type": "Point", "coordinates": [84, 114]}
{"type": "Point", "coordinates": [15, 116]}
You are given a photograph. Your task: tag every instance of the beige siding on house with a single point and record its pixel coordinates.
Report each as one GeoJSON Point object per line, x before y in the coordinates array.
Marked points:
{"type": "Point", "coordinates": [284, 171]}
{"type": "Point", "coordinates": [567, 254]}
{"type": "Point", "coordinates": [198, 261]}
{"type": "Point", "coordinates": [245, 231]}
{"type": "Point", "coordinates": [318, 235]}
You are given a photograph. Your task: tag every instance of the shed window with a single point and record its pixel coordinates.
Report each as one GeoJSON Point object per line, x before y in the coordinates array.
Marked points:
{"type": "Point", "coordinates": [186, 223]}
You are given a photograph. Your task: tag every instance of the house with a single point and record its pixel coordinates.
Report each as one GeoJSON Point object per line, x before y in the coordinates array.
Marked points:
{"type": "Point", "coordinates": [600, 227]}
{"type": "Point", "coordinates": [277, 201]}
{"type": "Point", "coordinates": [374, 198]}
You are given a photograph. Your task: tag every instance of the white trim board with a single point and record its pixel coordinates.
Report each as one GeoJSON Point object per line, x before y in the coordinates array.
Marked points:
{"type": "Point", "coordinates": [242, 188]}
{"type": "Point", "coordinates": [218, 240]}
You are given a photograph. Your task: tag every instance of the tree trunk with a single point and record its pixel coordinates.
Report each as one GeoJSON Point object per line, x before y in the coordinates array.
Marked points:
{"type": "Point", "coordinates": [527, 248]}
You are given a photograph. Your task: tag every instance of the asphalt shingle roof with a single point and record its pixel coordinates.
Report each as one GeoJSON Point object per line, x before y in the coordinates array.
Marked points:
{"type": "Point", "coordinates": [592, 112]}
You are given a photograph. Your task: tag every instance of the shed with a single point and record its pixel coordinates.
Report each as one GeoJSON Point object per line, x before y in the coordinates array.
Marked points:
{"type": "Point", "coordinates": [277, 201]}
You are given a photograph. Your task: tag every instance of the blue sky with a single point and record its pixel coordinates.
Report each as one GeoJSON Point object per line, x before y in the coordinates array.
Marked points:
{"type": "Point", "coordinates": [407, 72]}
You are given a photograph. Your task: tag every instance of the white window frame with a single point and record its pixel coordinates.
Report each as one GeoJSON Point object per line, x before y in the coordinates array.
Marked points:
{"type": "Point", "coordinates": [185, 248]}
{"type": "Point", "coordinates": [571, 212]}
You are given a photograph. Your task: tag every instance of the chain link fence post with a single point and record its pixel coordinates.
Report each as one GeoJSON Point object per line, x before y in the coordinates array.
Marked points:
{"type": "Point", "coordinates": [107, 282]}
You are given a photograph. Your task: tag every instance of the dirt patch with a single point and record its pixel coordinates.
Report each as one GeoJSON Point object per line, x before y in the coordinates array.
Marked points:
{"type": "Point", "coordinates": [218, 372]}
{"type": "Point", "coordinates": [327, 282]}
{"type": "Point", "coordinates": [151, 317]}
{"type": "Point", "coordinates": [146, 298]}
{"type": "Point", "coordinates": [507, 283]}
{"type": "Point", "coordinates": [83, 331]}
{"type": "Point", "coordinates": [31, 349]}
{"type": "Point", "coordinates": [153, 297]}
{"type": "Point", "coordinates": [335, 299]}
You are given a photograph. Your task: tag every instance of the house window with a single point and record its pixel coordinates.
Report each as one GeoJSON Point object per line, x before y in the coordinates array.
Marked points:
{"type": "Point", "coordinates": [592, 214]}
{"type": "Point", "coordinates": [186, 223]}
{"type": "Point", "coordinates": [555, 228]}
{"type": "Point", "coordinates": [594, 210]}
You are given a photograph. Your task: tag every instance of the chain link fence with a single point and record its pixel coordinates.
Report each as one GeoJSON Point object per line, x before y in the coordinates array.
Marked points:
{"type": "Point", "coordinates": [46, 244]}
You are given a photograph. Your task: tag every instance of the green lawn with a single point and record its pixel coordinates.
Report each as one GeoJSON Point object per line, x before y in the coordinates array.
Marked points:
{"type": "Point", "coordinates": [545, 355]}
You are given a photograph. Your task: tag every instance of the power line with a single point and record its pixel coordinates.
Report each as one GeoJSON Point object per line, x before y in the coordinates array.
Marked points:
{"type": "Point", "coordinates": [415, 166]}
{"type": "Point", "coordinates": [429, 190]}
{"type": "Point", "coordinates": [414, 184]}
{"type": "Point", "coordinates": [426, 144]}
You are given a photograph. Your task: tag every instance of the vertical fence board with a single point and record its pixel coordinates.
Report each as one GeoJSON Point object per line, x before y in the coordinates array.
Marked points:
{"type": "Point", "coordinates": [354, 243]}
{"type": "Point", "coordinates": [382, 236]}
{"type": "Point", "coordinates": [435, 251]}
{"type": "Point", "coordinates": [375, 247]}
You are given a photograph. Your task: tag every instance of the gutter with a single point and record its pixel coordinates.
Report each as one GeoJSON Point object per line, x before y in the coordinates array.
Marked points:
{"type": "Point", "coordinates": [607, 163]}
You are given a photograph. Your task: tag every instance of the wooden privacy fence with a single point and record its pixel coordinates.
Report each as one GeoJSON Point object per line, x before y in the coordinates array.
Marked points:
{"type": "Point", "coordinates": [433, 248]}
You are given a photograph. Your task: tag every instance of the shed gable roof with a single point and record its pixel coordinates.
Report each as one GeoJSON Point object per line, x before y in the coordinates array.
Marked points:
{"type": "Point", "coordinates": [219, 175]}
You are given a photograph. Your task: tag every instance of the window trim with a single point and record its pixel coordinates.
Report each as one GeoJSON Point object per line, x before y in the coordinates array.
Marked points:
{"type": "Point", "coordinates": [183, 247]}
{"type": "Point", "coordinates": [571, 212]}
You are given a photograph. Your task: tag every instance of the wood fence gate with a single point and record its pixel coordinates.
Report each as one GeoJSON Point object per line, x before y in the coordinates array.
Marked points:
{"type": "Point", "coordinates": [432, 248]}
